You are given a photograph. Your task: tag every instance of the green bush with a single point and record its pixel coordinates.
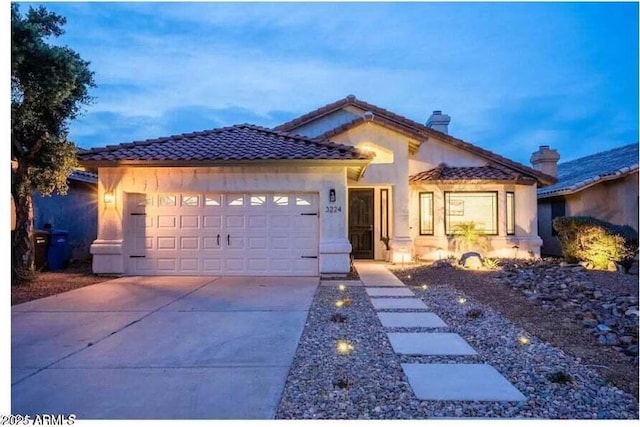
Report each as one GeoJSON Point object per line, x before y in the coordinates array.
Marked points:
{"type": "Point", "coordinates": [595, 241]}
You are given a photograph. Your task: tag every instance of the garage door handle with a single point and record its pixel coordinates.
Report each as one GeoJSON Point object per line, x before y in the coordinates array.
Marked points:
{"type": "Point", "coordinates": [228, 240]}
{"type": "Point", "coordinates": [137, 256]}
{"type": "Point", "coordinates": [307, 256]}
{"type": "Point", "coordinates": [310, 214]}
{"type": "Point", "coordinates": [218, 239]}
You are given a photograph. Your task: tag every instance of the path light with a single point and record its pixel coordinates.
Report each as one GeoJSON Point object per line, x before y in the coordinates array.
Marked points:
{"type": "Point", "coordinates": [344, 347]}
{"type": "Point", "coordinates": [342, 287]}
{"type": "Point", "coordinates": [408, 276]}
{"type": "Point", "coordinates": [523, 340]}
{"type": "Point", "coordinates": [462, 300]}
{"type": "Point", "coordinates": [424, 286]}
{"type": "Point", "coordinates": [339, 303]}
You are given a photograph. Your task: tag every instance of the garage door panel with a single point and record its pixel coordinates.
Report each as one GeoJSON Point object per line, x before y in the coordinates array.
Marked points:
{"type": "Point", "coordinates": [166, 264]}
{"type": "Point", "coordinates": [190, 221]}
{"type": "Point", "coordinates": [166, 243]}
{"type": "Point", "coordinates": [189, 265]}
{"type": "Point", "coordinates": [210, 243]}
{"type": "Point", "coordinates": [254, 234]}
{"type": "Point", "coordinates": [167, 221]}
{"type": "Point", "coordinates": [212, 221]}
{"type": "Point", "coordinates": [189, 243]}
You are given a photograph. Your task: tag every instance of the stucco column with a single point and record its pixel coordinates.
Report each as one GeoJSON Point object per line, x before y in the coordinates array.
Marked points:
{"type": "Point", "coordinates": [401, 243]}
{"type": "Point", "coordinates": [107, 249]}
{"type": "Point", "coordinates": [334, 248]}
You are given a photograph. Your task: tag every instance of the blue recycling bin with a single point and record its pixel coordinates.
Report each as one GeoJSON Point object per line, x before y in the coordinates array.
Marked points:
{"type": "Point", "coordinates": [57, 252]}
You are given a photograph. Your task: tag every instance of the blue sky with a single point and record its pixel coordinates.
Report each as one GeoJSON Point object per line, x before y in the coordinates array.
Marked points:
{"type": "Point", "coordinates": [512, 76]}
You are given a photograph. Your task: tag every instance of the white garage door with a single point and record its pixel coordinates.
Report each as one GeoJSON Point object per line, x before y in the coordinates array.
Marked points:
{"type": "Point", "coordinates": [222, 234]}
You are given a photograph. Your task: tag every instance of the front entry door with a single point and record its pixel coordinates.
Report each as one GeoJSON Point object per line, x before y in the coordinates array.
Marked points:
{"type": "Point", "coordinates": [361, 222]}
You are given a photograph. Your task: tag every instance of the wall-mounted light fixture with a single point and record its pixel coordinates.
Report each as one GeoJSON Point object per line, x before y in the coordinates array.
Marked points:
{"type": "Point", "coordinates": [109, 197]}
{"type": "Point", "coordinates": [332, 195]}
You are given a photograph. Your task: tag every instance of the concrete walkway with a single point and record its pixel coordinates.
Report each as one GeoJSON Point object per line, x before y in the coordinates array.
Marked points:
{"type": "Point", "coordinates": [159, 348]}
{"type": "Point", "coordinates": [398, 307]}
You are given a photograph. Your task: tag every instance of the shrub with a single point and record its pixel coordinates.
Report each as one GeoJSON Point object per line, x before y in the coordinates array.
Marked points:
{"type": "Point", "coordinates": [595, 241]}
{"type": "Point", "coordinates": [490, 263]}
{"type": "Point", "coordinates": [467, 236]}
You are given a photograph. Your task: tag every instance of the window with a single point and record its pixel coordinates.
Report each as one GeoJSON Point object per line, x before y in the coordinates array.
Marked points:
{"type": "Point", "coordinates": [302, 201]}
{"type": "Point", "coordinates": [384, 213]}
{"type": "Point", "coordinates": [166, 200]}
{"type": "Point", "coordinates": [281, 200]}
{"type": "Point", "coordinates": [258, 200]}
{"type": "Point", "coordinates": [511, 213]}
{"type": "Point", "coordinates": [190, 200]}
{"type": "Point", "coordinates": [212, 200]}
{"type": "Point", "coordinates": [426, 213]}
{"type": "Point", "coordinates": [235, 200]}
{"type": "Point", "coordinates": [481, 208]}
{"type": "Point", "coordinates": [558, 208]}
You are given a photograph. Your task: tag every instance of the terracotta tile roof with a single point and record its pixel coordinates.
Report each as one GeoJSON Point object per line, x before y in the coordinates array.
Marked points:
{"type": "Point", "coordinates": [236, 143]}
{"type": "Point", "coordinates": [476, 173]}
{"type": "Point", "coordinates": [84, 176]}
{"type": "Point", "coordinates": [418, 130]}
{"type": "Point", "coordinates": [586, 171]}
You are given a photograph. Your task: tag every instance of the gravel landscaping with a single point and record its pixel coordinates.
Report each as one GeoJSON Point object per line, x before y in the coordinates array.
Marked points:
{"type": "Point", "coordinates": [369, 382]}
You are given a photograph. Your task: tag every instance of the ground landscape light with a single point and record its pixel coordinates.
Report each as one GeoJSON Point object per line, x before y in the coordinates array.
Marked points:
{"type": "Point", "coordinates": [342, 287]}
{"type": "Point", "coordinates": [425, 286]}
{"type": "Point", "coordinates": [462, 300]}
{"type": "Point", "coordinates": [344, 347]}
{"type": "Point", "coordinates": [339, 303]}
{"type": "Point", "coordinates": [524, 340]}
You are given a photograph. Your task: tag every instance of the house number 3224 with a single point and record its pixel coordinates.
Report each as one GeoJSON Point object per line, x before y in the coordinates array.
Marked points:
{"type": "Point", "coordinates": [333, 209]}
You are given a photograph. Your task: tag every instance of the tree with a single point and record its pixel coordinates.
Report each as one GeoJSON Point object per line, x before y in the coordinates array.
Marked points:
{"type": "Point", "coordinates": [49, 84]}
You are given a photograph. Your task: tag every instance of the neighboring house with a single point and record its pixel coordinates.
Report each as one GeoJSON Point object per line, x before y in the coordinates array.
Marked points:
{"type": "Point", "coordinates": [603, 185]}
{"type": "Point", "coordinates": [302, 198]}
{"type": "Point", "coordinates": [75, 212]}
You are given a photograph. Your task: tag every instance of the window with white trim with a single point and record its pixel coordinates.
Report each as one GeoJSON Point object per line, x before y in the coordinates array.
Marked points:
{"type": "Point", "coordinates": [480, 208]}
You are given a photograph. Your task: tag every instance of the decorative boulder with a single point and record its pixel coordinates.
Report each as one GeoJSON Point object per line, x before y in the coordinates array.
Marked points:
{"type": "Point", "coordinates": [471, 260]}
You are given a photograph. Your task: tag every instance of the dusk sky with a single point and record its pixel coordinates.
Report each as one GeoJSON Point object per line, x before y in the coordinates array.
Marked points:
{"type": "Point", "coordinates": [512, 76]}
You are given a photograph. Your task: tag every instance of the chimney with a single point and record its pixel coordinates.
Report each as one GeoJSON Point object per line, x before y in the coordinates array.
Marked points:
{"type": "Point", "coordinates": [546, 160]}
{"type": "Point", "coordinates": [439, 122]}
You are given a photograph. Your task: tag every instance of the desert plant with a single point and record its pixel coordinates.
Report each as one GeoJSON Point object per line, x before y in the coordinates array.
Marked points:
{"type": "Point", "coordinates": [597, 242]}
{"type": "Point", "coordinates": [490, 263]}
{"type": "Point", "coordinates": [467, 236]}
{"type": "Point", "coordinates": [474, 313]}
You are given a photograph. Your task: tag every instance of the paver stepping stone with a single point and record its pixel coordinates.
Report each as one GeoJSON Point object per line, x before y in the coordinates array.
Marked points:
{"type": "Point", "coordinates": [398, 303]}
{"type": "Point", "coordinates": [411, 320]}
{"type": "Point", "coordinates": [390, 292]}
{"type": "Point", "coordinates": [429, 344]}
{"type": "Point", "coordinates": [445, 381]}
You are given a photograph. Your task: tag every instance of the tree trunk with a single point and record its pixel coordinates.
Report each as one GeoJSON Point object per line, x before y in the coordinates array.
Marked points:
{"type": "Point", "coordinates": [22, 253]}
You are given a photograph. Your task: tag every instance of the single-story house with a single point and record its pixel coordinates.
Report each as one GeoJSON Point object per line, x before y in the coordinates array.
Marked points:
{"type": "Point", "coordinates": [306, 196]}
{"type": "Point", "coordinates": [603, 185]}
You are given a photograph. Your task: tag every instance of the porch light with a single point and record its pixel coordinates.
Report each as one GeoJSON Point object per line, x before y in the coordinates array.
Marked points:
{"type": "Point", "coordinates": [109, 197]}
{"type": "Point", "coordinates": [332, 195]}
{"type": "Point", "coordinates": [462, 300]}
{"type": "Point", "coordinates": [344, 347]}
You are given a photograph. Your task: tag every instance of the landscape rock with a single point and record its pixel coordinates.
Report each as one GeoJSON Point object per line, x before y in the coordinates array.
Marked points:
{"type": "Point", "coordinates": [471, 260]}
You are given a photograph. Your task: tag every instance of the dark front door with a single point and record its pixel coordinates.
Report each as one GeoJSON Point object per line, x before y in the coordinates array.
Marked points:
{"type": "Point", "coordinates": [361, 222]}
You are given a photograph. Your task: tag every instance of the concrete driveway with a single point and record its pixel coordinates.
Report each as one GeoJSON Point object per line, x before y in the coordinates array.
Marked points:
{"type": "Point", "coordinates": [159, 348]}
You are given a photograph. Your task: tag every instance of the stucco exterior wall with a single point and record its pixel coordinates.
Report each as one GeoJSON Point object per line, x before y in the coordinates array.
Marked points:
{"type": "Point", "coordinates": [395, 175]}
{"type": "Point", "coordinates": [334, 247]}
{"type": "Point", "coordinates": [614, 201]}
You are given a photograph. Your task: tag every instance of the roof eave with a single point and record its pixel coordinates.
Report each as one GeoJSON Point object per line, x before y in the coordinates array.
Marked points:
{"type": "Point", "coordinates": [218, 163]}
